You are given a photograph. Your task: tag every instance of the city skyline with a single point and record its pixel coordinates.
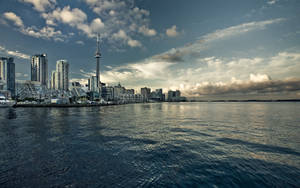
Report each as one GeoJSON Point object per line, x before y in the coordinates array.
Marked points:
{"type": "Point", "coordinates": [251, 53]}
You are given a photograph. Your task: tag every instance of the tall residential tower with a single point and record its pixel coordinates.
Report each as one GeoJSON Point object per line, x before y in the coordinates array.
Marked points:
{"type": "Point", "coordinates": [39, 69]}
{"type": "Point", "coordinates": [62, 67]}
{"type": "Point", "coordinates": [60, 77]}
{"type": "Point", "coordinates": [7, 74]}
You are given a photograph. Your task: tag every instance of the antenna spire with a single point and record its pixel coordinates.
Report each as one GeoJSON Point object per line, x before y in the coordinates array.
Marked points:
{"type": "Point", "coordinates": [98, 45]}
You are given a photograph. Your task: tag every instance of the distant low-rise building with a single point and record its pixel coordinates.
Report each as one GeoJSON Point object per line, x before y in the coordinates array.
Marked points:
{"type": "Point", "coordinates": [107, 93]}
{"type": "Point", "coordinates": [157, 95]}
{"type": "Point", "coordinates": [26, 89]}
{"type": "Point", "coordinates": [175, 96]}
{"type": "Point", "coordinates": [129, 91]}
{"type": "Point", "coordinates": [118, 91]}
{"type": "Point", "coordinates": [77, 91]}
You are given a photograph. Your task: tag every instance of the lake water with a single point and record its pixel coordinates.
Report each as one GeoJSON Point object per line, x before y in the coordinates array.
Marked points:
{"type": "Point", "coordinates": [152, 145]}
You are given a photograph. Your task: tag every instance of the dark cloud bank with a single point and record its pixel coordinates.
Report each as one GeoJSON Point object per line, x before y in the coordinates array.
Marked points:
{"type": "Point", "coordinates": [283, 88]}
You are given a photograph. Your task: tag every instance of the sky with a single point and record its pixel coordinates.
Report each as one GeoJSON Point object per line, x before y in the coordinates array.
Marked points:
{"type": "Point", "coordinates": [209, 49]}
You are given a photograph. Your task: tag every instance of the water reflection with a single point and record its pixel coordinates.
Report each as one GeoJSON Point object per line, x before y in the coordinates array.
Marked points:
{"type": "Point", "coordinates": [11, 113]}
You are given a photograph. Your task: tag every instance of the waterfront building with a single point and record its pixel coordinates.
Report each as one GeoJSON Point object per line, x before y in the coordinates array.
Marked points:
{"type": "Point", "coordinates": [92, 82]}
{"type": "Point", "coordinates": [129, 91]}
{"type": "Point", "coordinates": [39, 68]}
{"type": "Point", "coordinates": [7, 75]}
{"type": "Point", "coordinates": [157, 95]}
{"type": "Point", "coordinates": [77, 90]}
{"type": "Point", "coordinates": [118, 91]}
{"type": "Point", "coordinates": [26, 89]}
{"type": "Point", "coordinates": [175, 96]}
{"type": "Point", "coordinates": [160, 95]}
{"type": "Point", "coordinates": [145, 92]}
{"type": "Point", "coordinates": [107, 93]}
{"type": "Point", "coordinates": [62, 75]}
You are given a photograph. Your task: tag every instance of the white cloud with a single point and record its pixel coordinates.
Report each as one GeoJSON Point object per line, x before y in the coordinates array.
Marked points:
{"type": "Point", "coordinates": [97, 25]}
{"type": "Point", "coordinates": [121, 35]}
{"type": "Point", "coordinates": [271, 2]}
{"type": "Point", "coordinates": [134, 74]}
{"type": "Point", "coordinates": [146, 31]}
{"type": "Point", "coordinates": [239, 29]}
{"type": "Point", "coordinates": [122, 14]}
{"type": "Point", "coordinates": [104, 5]}
{"type": "Point", "coordinates": [46, 32]}
{"type": "Point", "coordinates": [196, 47]}
{"type": "Point", "coordinates": [40, 5]}
{"type": "Point", "coordinates": [172, 32]}
{"type": "Point", "coordinates": [259, 77]}
{"type": "Point", "coordinates": [80, 42]}
{"type": "Point", "coordinates": [113, 15]}
{"type": "Point", "coordinates": [151, 69]}
{"type": "Point", "coordinates": [66, 15]}
{"type": "Point", "coordinates": [14, 18]}
{"type": "Point", "coordinates": [134, 43]}
{"type": "Point", "coordinates": [14, 53]}
{"type": "Point", "coordinates": [74, 18]}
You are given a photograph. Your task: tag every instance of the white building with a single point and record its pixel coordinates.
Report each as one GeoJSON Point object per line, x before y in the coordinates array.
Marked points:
{"type": "Point", "coordinates": [62, 67]}
{"type": "Point", "coordinates": [60, 77]}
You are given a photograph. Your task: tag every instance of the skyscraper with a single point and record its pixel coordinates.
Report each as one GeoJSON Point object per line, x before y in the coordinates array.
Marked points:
{"type": "Point", "coordinates": [7, 74]}
{"type": "Point", "coordinates": [97, 56]}
{"type": "Point", "coordinates": [60, 77]}
{"type": "Point", "coordinates": [93, 84]}
{"type": "Point", "coordinates": [39, 68]}
{"type": "Point", "coordinates": [62, 69]}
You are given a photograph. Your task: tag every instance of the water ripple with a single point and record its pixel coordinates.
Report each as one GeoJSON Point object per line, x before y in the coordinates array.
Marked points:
{"type": "Point", "coordinates": [152, 145]}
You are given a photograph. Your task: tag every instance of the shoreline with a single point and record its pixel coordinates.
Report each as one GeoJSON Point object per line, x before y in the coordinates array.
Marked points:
{"type": "Point", "coordinates": [97, 105]}
{"type": "Point", "coordinates": [59, 105]}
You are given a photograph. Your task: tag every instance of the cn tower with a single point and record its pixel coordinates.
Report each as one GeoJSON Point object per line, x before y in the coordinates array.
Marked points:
{"type": "Point", "coordinates": [97, 56]}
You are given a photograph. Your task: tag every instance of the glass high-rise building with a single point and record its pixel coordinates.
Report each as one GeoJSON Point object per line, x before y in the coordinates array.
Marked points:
{"type": "Point", "coordinates": [7, 74]}
{"type": "Point", "coordinates": [93, 84]}
{"type": "Point", "coordinates": [62, 69]}
{"type": "Point", "coordinates": [60, 77]}
{"type": "Point", "coordinates": [39, 69]}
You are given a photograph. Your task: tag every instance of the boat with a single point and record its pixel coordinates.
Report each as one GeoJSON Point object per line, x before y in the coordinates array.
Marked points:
{"type": "Point", "coordinates": [4, 102]}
